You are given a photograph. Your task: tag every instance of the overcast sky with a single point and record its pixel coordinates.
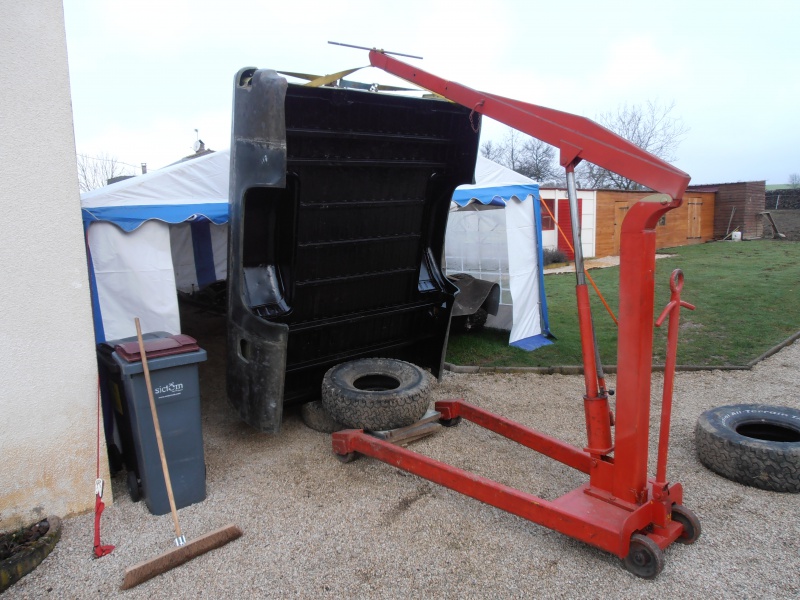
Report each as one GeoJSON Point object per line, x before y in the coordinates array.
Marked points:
{"type": "Point", "coordinates": [146, 74]}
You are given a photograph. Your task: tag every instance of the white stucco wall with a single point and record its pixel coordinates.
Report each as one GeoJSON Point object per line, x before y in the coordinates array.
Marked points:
{"type": "Point", "coordinates": [47, 360]}
{"type": "Point", "coordinates": [588, 219]}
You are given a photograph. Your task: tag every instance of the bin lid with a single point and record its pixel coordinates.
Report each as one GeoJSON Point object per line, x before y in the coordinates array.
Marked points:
{"type": "Point", "coordinates": [155, 348]}
{"type": "Point", "coordinates": [106, 349]}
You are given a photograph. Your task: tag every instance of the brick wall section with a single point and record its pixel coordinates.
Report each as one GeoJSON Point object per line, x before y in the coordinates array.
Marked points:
{"type": "Point", "coordinates": [747, 198]}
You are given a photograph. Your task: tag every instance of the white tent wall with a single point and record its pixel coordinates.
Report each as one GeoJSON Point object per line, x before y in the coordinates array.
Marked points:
{"type": "Point", "coordinates": [523, 269]}
{"type": "Point", "coordinates": [134, 278]}
{"type": "Point", "coordinates": [493, 234]}
{"type": "Point", "coordinates": [151, 235]}
{"type": "Point", "coordinates": [476, 244]}
{"type": "Point", "coordinates": [501, 245]}
{"type": "Point", "coordinates": [191, 245]}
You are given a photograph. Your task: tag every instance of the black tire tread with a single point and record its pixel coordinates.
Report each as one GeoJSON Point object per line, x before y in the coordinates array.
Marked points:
{"type": "Point", "coordinates": [773, 466]}
{"type": "Point", "coordinates": [381, 410]}
{"type": "Point", "coordinates": [315, 417]}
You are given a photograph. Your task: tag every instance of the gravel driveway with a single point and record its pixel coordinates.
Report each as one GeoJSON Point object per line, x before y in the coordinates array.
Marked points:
{"type": "Point", "coordinates": [317, 528]}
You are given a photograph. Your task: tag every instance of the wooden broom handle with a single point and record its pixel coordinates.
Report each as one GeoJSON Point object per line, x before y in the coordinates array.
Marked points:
{"type": "Point", "coordinates": [164, 467]}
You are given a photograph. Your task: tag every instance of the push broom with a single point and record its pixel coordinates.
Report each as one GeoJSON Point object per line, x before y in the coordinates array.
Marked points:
{"type": "Point", "coordinates": [184, 551]}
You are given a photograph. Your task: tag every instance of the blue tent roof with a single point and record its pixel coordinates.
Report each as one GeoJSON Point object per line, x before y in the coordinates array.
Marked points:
{"type": "Point", "coordinates": [131, 217]}
{"type": "Point", "coordinates": [495, 195]}
{"type": "Point", "coordinates": [497, 186]}
{"type": "Point", "coordinates": [192, 190]}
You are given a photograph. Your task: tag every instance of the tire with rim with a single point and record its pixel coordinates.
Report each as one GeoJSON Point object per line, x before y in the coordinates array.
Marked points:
{"type": "Point", "coordinates": [753, 444]}
{"type": "Point", "coordinates": [376, 393]}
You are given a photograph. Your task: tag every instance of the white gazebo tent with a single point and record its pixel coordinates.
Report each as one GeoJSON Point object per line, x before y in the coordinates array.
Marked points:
{"type": "Point", "coordinates": [495, 233]}
{"type": "Point", "coordinates": [151, 235]}
{"type": "Point", "coordinates": [164, 231]}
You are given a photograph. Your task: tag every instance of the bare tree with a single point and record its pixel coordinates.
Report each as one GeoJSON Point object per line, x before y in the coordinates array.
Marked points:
{"type": "Point", "coordinates": [525, 155]}
{"type": "Point", "coordinates": [540, 161]}
{"type": "Point", "coordinates": [95, 171]}
{"type": "Point", "coordinates": [794, 181]}
{"type": "Point", "coordinates": [492, 151]}
{"type": "Point", "coordinates": [650, 127]}
{"type": "Point", "coordinates": [508, 152]}
{"type": "Point", "coordinates": [591, 177]}
{"type": "Point", "coordinates": [514, 146]}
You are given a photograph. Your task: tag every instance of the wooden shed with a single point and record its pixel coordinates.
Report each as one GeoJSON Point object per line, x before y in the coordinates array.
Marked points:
{"type": "Point", "coordinates": [692, 223]}
{"type": "Point", "coordinates": [738, 206]}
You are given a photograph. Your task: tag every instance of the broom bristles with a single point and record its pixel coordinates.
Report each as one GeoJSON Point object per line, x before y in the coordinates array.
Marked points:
{"type": "Point", "coordinates": [177, 556]}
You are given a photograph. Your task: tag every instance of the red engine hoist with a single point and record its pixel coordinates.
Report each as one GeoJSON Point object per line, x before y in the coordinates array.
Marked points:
{"type": "Point", "coordinates": [620, 509]}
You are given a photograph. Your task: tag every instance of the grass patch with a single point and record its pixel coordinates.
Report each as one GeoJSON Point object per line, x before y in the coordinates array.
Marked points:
{"type": "Point", "coordinates": [747, 297]}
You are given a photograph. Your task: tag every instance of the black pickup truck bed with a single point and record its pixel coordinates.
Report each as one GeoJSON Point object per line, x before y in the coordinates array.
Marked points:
{"type": "Point", "coordinates": [339, 203]}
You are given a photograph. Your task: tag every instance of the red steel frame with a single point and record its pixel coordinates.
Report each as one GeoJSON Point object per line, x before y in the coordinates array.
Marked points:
{"type": "Point", "coordinates": [619, 498]}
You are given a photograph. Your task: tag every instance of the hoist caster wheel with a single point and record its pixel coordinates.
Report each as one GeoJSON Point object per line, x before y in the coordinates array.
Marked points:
{"type": "Point", "coordinates": [346, 458]}
{"type": "Point", "coordinates": [690, 523]}
{"type": "Point", "coordinates": [134, 489]}
{"type": "Point", "coordinates": [645, 558]}
{"type": "Point", "coordinates": [450, 422]}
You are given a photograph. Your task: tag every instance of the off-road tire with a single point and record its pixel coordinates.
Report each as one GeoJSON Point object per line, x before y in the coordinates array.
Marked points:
{"type": "Point", "coordinates": [753, 444]}
{"type": "Point", "coordinates": [376, 393]}
{"type": "Point", "coordinates": [317, 418]}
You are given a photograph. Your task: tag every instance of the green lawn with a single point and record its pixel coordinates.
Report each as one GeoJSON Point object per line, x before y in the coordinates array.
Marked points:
{"type": "Point", "coordinates": [747, 297]}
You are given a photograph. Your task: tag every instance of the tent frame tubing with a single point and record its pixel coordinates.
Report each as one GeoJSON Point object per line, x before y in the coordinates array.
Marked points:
{"type": "Point", "coordinates": [619, 501]}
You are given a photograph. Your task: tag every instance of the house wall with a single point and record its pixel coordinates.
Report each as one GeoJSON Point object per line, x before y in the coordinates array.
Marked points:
{"type": "Point", "coordinates": [48, 372]}
{"type": "Point", "coordinates": [739, 205]}
{"type": "Point", "coordinates": [691, 223]}
{"type": "Point", "coordinates": [550, 237]}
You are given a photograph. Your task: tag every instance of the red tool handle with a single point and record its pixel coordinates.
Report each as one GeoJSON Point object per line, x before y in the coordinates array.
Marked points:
{"type": "Point", "coordinates": [673, 310]}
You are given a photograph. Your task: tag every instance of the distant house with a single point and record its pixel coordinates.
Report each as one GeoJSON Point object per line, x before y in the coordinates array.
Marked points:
{"type": "Point", "coordinates": [708, 212]}
{"type": "Point", "coordinates": [602, 212]}
{"type": "Point", "coordinates": [556, 214]}
{"type": "Point", "coordinates": [691, 223]}
{"type": "Point", "coordinates": [199, 150]}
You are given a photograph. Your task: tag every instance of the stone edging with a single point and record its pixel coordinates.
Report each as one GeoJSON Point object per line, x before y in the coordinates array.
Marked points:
{"type": "Point", "coordinates": [17, 566]}
{"type": "Point", "coordinates": [578, 369]}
